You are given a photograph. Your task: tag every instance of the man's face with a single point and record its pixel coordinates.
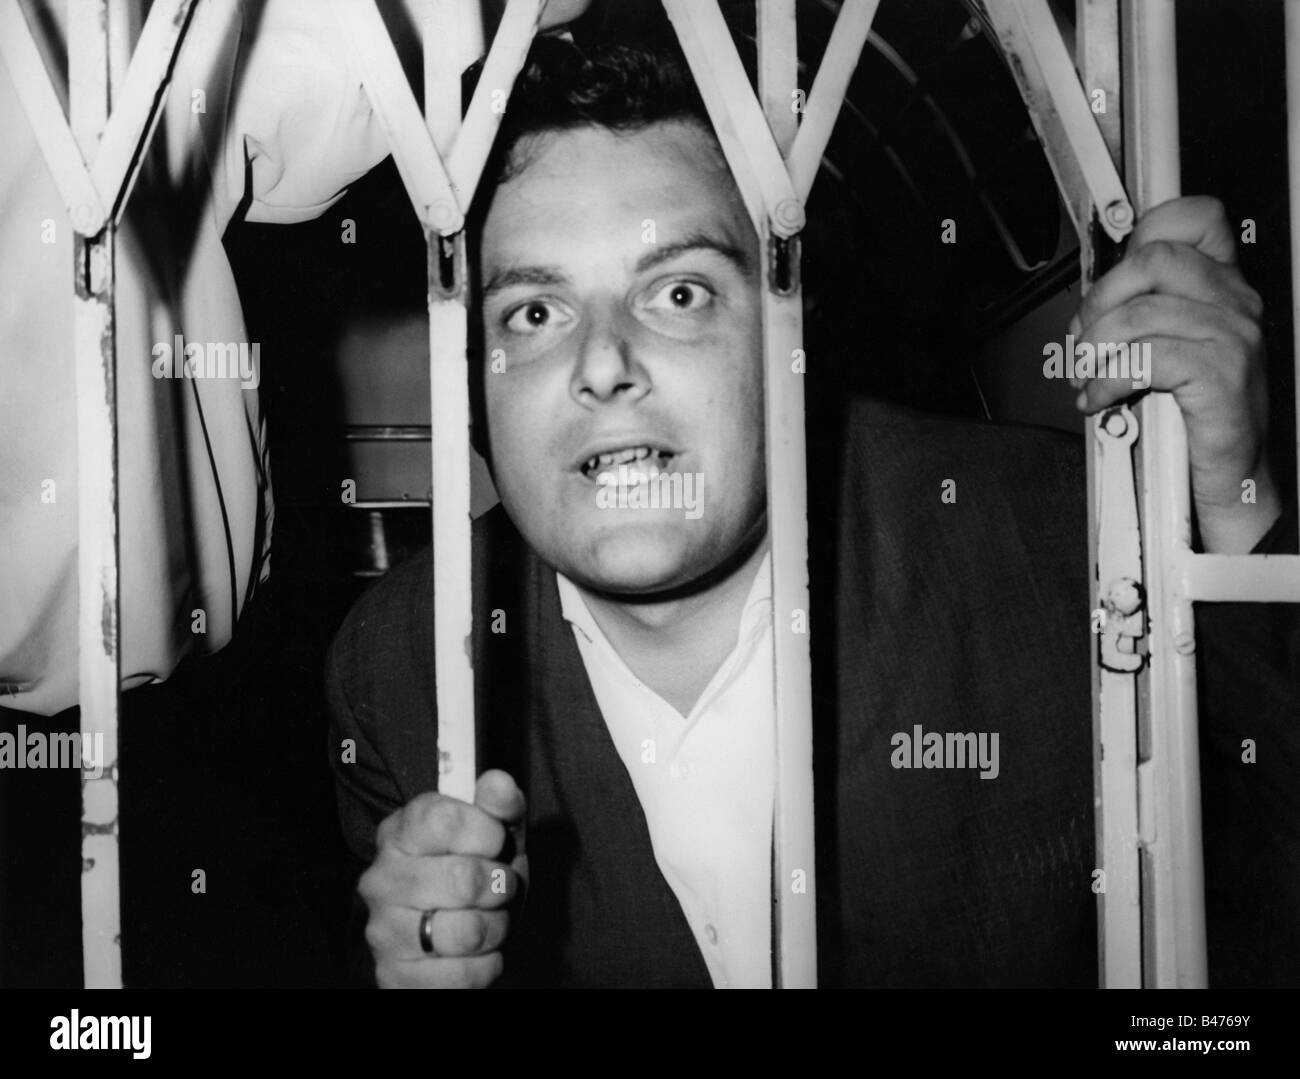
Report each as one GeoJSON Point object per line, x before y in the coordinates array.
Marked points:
{"type": "Point", "coordinates": [620, 284]}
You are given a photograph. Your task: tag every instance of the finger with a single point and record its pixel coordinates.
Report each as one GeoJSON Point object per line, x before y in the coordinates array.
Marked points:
{"type": "Point", "coordinates": [451, 881]}
{"type": "Point", "coordinates": [1152, 316]}
{"type": "Point", "coordinates": [468, 932]}
{"type": "Point", "coordinates": [497, 793]}
{"type": "Point", "coordinates": [1167, 268]}
{"type": "Point", "coordinates": [435, 824]}
{"type": "Point", "coordinates": [436, 972]}
{"type": "Point", "coordinates": [1198, 220]}
{"type": "Point", "coordinates": [396, 934]}
{"type": "Point", "coordinates": [1188, 369]}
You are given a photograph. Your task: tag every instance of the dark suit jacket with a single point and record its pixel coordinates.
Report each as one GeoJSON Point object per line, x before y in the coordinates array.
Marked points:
{"type": "Point", "coordinates": [965, 616]}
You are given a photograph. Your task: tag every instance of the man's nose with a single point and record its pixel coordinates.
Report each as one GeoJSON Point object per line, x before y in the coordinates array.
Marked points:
{"type": "Point", "coordinates": [607, 365]}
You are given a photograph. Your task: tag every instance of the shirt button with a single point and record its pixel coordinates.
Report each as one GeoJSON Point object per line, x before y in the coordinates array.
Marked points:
{"type": "Point", "coordinates": [711, 933]}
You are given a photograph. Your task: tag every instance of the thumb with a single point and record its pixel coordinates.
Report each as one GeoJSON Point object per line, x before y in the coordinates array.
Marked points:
{"type": "Point", "coordinates": [497, 793]}
{"type": "Point", "coordinates": [1197, 220]}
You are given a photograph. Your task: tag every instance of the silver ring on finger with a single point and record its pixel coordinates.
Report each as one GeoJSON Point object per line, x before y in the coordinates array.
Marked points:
{"type": "Point", "coordinates": [426, 932]}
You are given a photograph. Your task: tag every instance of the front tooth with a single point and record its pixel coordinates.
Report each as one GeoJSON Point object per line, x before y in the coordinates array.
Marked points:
{"type": "Point", "coordinates": [606, 458]}
{"type": "Point", "coordinates": [642, 452]}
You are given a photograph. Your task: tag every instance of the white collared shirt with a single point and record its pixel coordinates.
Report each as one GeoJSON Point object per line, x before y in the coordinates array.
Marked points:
{"type": "Point", "coordinates": [705, 782]}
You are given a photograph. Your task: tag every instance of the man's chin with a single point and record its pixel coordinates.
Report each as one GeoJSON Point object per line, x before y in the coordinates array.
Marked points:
{"type": "Point", "coordinates": [632, 562]}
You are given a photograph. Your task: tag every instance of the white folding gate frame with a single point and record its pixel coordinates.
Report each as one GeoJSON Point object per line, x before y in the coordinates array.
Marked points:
{"type": "Point", "coordinates": [1151, 912]}
{"type": "Point", "coordinates": [95, 160]}
{"type": "Point", "coordinates": [1151, 897]}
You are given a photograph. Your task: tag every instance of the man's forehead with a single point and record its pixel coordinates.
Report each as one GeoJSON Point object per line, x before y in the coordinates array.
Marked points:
{"type": "Point", "coordinates": [663, 183]}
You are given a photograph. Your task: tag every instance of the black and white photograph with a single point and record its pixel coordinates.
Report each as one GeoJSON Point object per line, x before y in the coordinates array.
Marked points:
{"type": "Point", "coordinates": [650, 494]}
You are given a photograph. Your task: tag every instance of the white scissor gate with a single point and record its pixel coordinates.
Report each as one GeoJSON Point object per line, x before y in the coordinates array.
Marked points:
{"type": "Point", "coordinates": [1151, 912]}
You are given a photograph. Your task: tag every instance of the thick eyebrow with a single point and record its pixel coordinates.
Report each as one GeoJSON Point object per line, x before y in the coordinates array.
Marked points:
{"type": "Point", "coordinates": [510, 276]}
{"type": "Point", "coordinates": [550, 276]}
{"type": "Point", "coordinates": [695, 241]}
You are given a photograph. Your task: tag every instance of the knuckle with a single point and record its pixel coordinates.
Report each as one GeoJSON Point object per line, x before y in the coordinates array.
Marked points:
{"type": "Point", "coordinates": [443, 820]}
{"type": "Point", "coordinates": [1238, 365]}
{"type": "Point", "coordinates": [1154, 255]}
{"type": "Point", "coordinates": [1211, 207]}
{"type": "Point", "coordinates": [463, 879]}
{"type": "Point", "coordinates": [375, 938]}
{"type": "Point", "coordinates": [490, 968]}
{"type": "Point", "coordinates": [481, 971]}
{"type": "Point", "coordinates": [1254, 305]}
{"type": "Point", "coordinates": [1143, 308]}
{"type": "Point", "coordinates": [1252, 333]}
{"type": "Point", "coordinates": [369, 885]}
{"type": "Point", "coordinates": [456, 974]}
{"type": "Point", "coordinates": [417, 809]}
{"type": "Point", "coordinates": [469, 934]}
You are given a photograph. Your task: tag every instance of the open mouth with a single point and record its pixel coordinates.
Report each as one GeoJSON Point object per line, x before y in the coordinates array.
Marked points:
{"type": "Point", "coordinates": [633, 462]}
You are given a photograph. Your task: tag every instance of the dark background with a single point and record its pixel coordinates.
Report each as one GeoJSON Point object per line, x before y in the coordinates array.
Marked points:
{"type": "Point", "coordinates": [225, 765]}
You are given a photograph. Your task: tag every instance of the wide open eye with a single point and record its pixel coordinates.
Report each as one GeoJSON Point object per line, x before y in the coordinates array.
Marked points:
{"type": "Point", "coordinates": [680, 298]}
{"type": "Point", "coordinates": [537, 315]}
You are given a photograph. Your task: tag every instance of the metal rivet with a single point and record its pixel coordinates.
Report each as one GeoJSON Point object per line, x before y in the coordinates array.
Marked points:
{"type": "Point", "coordinates": [789, 214]}
{"type": "Point", "coordinates": [1125, 596]}
{"type": "Point", "coordinates": [1119, 215]}
{"type": "Point", "coordinates": [442, 215]}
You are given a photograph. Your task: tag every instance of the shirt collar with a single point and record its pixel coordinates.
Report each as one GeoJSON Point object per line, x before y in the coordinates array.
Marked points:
{"type": "Point", "coordinates": [576, 612]}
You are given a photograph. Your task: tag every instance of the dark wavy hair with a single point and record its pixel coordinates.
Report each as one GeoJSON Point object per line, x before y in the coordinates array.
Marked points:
{"type": "Point", "coordinates": [562, 87]}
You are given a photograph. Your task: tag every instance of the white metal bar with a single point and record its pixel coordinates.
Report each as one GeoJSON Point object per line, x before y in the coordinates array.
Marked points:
{"type": "Point", "coordinates": [140, 101]}
{"type": "Point", "coordinates": [778, 69]}
{"type": "Point", "coordinates": [440, 193]}
{"type": "Point", "coordinates": [1216, 578]}
{"type": "Point", "coordinates": [41, 105]}
{"type": "Point", "coordinates": [843, 50]}
{"type": "Point", "coordinates": [420, 145]}
{"type": "Point", "coordinates": [452, 579]}
{"type": "Point", "coordinates": [1293, 188]}
{"type": "Point", "coordinates": [1169, 779]}
{"type": "Point", "coordinates": [1114, 692]}
{"type": "Point", "coordinates": [441, 37]}
{"type": "Point", "coordinates": [738, 120]}
{"type": "Point", "coordinates": [99, 660]}
{"type": "Point", "coordinates": [436, 203]}
{"type": "Point", "coordinates": [505, 59]}
{"type": "Point", "coordinates": [1119, 573]}
{"type": "Point", "coordinates": [794, 839]}
{"type": "Point", "coordinates": [795, 914]}
{"type": "Point", "coordinates": [449, 413]}
{"type": "Point", "coordinates": [755, 160]}
{"type": "Point", "coordinates": [1059, 110]}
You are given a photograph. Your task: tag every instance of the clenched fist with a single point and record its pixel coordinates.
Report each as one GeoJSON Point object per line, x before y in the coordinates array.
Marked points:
{"type": "Point", "coordinates": [1178, 288]}
{"type": "Point", "coordinates": [441, 855]}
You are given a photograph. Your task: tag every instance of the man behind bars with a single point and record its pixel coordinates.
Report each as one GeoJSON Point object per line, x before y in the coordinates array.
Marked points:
{"type": "Point", "coordinates": [623, 654]}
